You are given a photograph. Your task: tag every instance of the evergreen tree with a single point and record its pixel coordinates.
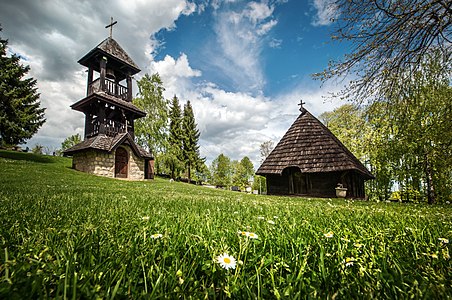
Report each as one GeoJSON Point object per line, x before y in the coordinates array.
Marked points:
{"type": "Point", "coordinates": [190, 148]}
{"type": "Point", "coordinates": [174, 155]}
{"type": "Point", "coordinates": [20, 115]}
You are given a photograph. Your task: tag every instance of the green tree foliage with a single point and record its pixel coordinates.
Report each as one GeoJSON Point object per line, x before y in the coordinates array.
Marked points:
{"type": "Point", "coordinates": [38, 149]}
{"type": "Point", "coordinates": [260, 184]}
{"type": "Point", "coordinates": [221, 171]}
{"type": "Point", "coordinates": [389, 39]}
{"type": "Point", "coordinates": [151, 131]}
{"type": "Point", "coordinates": [71, 141]}
{"type": "Point", "coordinates": [405, 142]}
{"type": "Point", "coordinates": [242, 172]}
{"type": "Point", "coordinates": [190, 150]}
{"type": "Point", "coordinates": [20, 112]}
{"type": "Point", "coordinates": [174, 154]}
{"type": "Point", "coordinates": [203, 173]}
{"type": "Point", "coordinates": [421, 131]}
{"type": "Point", "coordinates": [349, 126]}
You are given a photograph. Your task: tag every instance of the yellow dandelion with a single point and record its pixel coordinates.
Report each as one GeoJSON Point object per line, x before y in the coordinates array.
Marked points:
{"type": "Point", "coordinates": [156, 236]}
{"type": "Point", "coordinates": [226, 261]}
{"type": "Point", "coordinates": [328, 234]}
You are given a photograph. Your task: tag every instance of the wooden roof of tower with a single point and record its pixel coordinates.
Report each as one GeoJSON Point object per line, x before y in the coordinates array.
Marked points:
{"type": "Point", "coordinates": [112, 50]}
{"type": "Point", "coordinates": [312, 147]}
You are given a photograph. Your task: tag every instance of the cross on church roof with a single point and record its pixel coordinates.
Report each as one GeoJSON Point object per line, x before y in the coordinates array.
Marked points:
{"type": "Point", "coordinates": [111, 26]}
{"type": "Point", "coordinates": [302, 109]}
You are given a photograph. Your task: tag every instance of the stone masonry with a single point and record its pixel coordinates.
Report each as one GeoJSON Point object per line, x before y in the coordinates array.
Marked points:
{"type": "Point", "coordinates": [102, 163]}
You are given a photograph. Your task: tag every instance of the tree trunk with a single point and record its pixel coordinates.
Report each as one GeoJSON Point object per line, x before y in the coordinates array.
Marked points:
{"type": "Point", "coordinates": [431, 197]}
{"type": "Point", "coordinates": [189, 173]}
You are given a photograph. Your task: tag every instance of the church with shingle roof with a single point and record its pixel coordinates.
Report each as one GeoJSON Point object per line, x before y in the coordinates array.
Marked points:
{"type": "Point", "coordinates": [311, 161]}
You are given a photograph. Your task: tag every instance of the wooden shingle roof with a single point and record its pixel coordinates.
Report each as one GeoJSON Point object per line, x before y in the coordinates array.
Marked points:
{"type": "Point", "coordinates": [129, 106]}
{"type": "Point", "coordinates": [107, 143]}
{"type": "Point", "coordinates": [312, 147]}
{"type": "Point", "coordinates": [112, 50]}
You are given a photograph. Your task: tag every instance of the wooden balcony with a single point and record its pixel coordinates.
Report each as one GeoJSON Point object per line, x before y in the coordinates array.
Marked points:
{"type": "Point", "coordinates": [108, 127]}
{"type": "Point", "coordinates": [110, 87]}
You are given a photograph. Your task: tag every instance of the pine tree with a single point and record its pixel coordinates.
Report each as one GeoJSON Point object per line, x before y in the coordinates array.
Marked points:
{"type": "Point", "coordinates": [20, 112]}
{"type": "Point", "coordinates": [190, 151]}
{"type": "Point", "coordinates": [174, 157]}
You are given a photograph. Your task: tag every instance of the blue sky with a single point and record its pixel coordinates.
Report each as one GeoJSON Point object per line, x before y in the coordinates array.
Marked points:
{"type": "Point", "coordinates": [244, 65]}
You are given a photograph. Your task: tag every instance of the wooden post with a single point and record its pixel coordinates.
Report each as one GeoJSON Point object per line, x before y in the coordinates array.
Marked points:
{"type": "Point", "coordinates": [88, 125]}
{"type": "Point", "coordinates": [103, 70]}
{"type": "Point", "coordinates": [129, 88]}
{"type": "Point", "coordinates": [90, 79]}
{"type": "Point", "coordinates": [102, 118]}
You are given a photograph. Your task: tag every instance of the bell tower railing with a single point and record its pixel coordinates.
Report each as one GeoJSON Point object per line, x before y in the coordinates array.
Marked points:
{"type": "Point", "coordinates": [107, 127]}
{"type": "Point", "coordinates": [110, 87]}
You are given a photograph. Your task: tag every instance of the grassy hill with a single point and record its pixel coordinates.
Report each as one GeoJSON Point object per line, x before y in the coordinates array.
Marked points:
{"type": "Point", "coordinates": [67, 234]}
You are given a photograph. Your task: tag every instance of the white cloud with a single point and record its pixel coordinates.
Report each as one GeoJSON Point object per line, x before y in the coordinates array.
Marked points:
{"type": "Point", "coordinates": [53, 35]}
{"type": "Point", "coordinates": [257, 12]}
{"type": "Point", "coordinates": [241, 37]}
{"type": "Point", "coordinates": [266, 27]}
{"type": "Point", "coordinates": [275, 43]}
{"type": "Point", "coordinates": [231, 122]}
{"type": "Point", "coordinates": [236, 123]}
{"type": "Point", "coordinates": [326, 11]}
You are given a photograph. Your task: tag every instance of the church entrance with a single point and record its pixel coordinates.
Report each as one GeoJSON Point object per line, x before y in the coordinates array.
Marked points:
{"type": "Point", "coordinates": [121, 163]}
{"type": "Point", "coordinates": [297, 181]}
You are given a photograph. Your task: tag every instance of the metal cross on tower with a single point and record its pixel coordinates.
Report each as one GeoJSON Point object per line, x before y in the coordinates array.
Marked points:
{"type": "Point", "coordinates": [301, 105]}
{"type": "Point", "coordinates": [111, 26]}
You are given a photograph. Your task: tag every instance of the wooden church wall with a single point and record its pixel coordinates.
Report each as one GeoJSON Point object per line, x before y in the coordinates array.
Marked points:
{"type": "Point", "coordinates": [318, 184]}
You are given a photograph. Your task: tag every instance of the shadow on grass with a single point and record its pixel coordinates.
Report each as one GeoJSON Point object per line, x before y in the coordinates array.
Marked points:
{"type": "Point", "coordinates": [25, 156]}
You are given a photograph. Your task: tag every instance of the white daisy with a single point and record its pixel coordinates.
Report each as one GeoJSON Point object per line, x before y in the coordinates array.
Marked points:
{"type": "Point", "coordinates": [443, 240]}
{"type": "Point", "coordinates": [271, 222]}
{"type": "Point", "coordinates": [145, 218]}
{"type": "Point", "coordinates": [358, 245]}
{"type": "Point", "coordinates": [242, 233]}
{"type": "Point", "coordinates": [349, 261]}
{"type": "Point", "coordinates": [156, 236]}
{"type": "Point", "coordinates": [329, 234]}
{"type": "Point", "coordinates": [251, 235]}
{"type": "Point", "coordinates": [226, 261]}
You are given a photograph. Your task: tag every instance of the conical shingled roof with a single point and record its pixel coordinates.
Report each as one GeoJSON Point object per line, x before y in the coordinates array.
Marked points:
{"type": "Point", "coordinates": [110, 47]}
{"type": "Point", "coordinates": [312, 147]}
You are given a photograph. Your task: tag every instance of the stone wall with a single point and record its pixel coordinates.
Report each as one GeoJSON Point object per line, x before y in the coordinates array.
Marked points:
{"type": "Point", "coordinates": [103, 164]}
{"type": "Point", "coordinates": [95, 162]}
{"type": "Point", "coordinates": [136, 165]}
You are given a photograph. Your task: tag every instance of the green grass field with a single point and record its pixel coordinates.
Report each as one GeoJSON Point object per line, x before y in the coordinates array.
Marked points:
{"type": "Point", "coordinates": [66, 234]}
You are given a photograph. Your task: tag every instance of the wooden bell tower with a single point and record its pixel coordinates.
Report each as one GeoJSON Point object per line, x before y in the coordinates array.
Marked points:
{"type": "Point", "coordinates": [108, 108]}
{"type": "Point", "coordinates": [110, 71]}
